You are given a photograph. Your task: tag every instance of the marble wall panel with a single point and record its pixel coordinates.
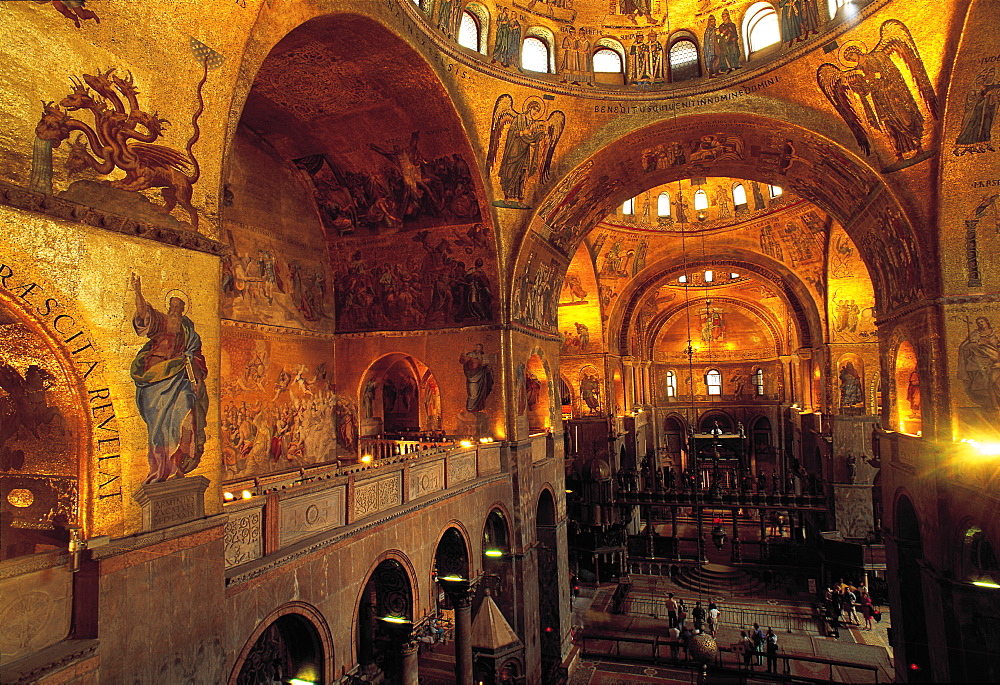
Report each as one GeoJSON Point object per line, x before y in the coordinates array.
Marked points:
{"type": "Point", "coordinates": [461, 468]}
{"type": "Point", "coordinates": [243, 539]}
{"type": "Point", "coordinates": [538, 449]}
{"type": "Point", "coordinates": [35, 611]}
{"type": "Point", "coordinates": [426, 478]}
{"type": "Point", "coordinates": [303, 516]}
{"type": "Point", "coordinates": [373, 496]}
{"type": "Point", "coordinates": [489, 460]}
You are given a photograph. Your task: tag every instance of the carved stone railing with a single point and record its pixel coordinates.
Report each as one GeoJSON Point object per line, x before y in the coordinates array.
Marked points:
{"type": "Point", "coordinates": [385, 448]}
{"type": "Point", "coordinates": [271, 513]}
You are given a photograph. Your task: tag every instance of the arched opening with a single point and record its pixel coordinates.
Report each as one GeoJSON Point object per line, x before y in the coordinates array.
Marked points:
{"type": "Point", "coordinates": [452, 555]}
{"type": "Point", "coordinates": [399, 398]}
{"type": "Point", "coordinates": [468, 31]}
{"type": "Point", "coordinates": [536, 385]}
{"type": "Point", "coordinates": [979, 573]}
{"type": "Point", "coordinates": [911, 618]}
{"type": "Point", "coordinates": [618, 387]}
{"type": "Point", "coordinates": [550, 633]}
{"type": "Point", "coordinates": [481, 17]}
{"type": "Point", "coordinates": [565, 398]}
{"type": "Point", "coordinates": [663, 204]}
{"type": "Point", "coordinates": [739, 198]}
{"type": "Point", "coordinates": [609, 63]}
{"type": "Point", "coordinates": [684, 61]}
{"type": "Point", "coordinates": [42, 440]}
{"type": "Point", "coordinates": [761, 28]}
{"type": "Point", "coordinates": [385, 620]}
{"type": "Point", "coordinates": [289, 650]}
{"type": "Point", "coordinates": [536, 54]}
{"type": "Point", "coordinates": [907, 378]}
{"type": "Point", "coordinates": [499, 564]}
{"type": "Point", "coordinates": [761, 444]}
{"type": "Point", "coordinates": [674, 445]}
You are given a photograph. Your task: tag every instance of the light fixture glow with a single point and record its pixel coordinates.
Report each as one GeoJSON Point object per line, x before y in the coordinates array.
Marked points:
{"type": "Point", "coordinates": [366, 458]}
{"type": "Point", "coordinates": [452, 579]}
{"type": "Point", "coordinates": [246, 494]}
{"type": "Point", "coordinates": [985, 449]}
{"type": "Point", "coordinates": [986, 583]}
{"type": "Point", "coordinates": [228, 496]}
{"type": "Point", "coordinates": [495, 553]}
{"type": "Point", "coordinates": [395, 619]}
{"type": "Point", "coordinates": [709, 276]}
{"type": "Point", "coordinates": [466, 443]}
{"type": "Point", "coordinates": [300, 681]}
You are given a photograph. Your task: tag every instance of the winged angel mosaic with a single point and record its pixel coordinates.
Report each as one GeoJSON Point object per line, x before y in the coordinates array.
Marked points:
{"type": "Point", "coordinates": [528, 140]}
{"type": "Point", "coordinates": [871, 90]}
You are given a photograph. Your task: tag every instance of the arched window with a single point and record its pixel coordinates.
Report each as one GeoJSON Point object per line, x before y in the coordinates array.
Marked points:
{"type": "Point", "coordinates": [535, 54]}
{"type": "Point", "coordinates": [628, 207]}
{"type": "Point", "coordinates": [775, 191]}
{"type": "Point", "coordinates": [663, 204]}
{"type": "Point", "coordinates": [835, 5]}
{"type": "Point", "coordinates": [671, 384]}
{"type": "Point", "coordinates": [739, 196]}
{"type": "Point", "coordinates": [758, 382]}
{"type": "Point", "coordinates": [713, 381]}
{"type": "Point", "coordinates": [684, 63]}
{"type": "Point", "coordinates": [760, 27]}
{"type": "Point", "coordinates": [700, 200]}
{"type": "Point", "coordinates": [468, 31]}
{"type": "Point", "coordinates": [607, 61]}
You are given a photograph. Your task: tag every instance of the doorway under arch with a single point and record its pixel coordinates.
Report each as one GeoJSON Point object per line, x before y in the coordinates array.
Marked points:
{"type": "Point", "coordinates": [548, 587]}
{"type": "Point", "coordinates": [912, 616]}
{"type": "Point", "coordinates": [290, 648]}
{"type": "Point", "coordinates": [385, 619]}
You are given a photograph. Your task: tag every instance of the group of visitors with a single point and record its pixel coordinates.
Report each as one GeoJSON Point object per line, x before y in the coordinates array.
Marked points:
{"type": "Point", "coordinates": [842, 602]}
{"type": "Point", "coordinates": [704, 620]}
{"type": "Point", "coordinates": [754, 644]}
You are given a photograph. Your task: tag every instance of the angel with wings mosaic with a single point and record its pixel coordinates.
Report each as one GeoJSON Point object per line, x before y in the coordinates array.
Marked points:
{"type": "Point", "coordinates": [872, 92]}
{"type": "Point", "coordinates": [525, 141]}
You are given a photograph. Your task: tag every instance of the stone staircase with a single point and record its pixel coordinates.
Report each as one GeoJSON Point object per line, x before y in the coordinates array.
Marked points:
{"type": "Point", "coordinates": [717, 579]}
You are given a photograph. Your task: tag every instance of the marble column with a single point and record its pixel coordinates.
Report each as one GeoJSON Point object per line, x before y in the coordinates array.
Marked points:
{"type": "Point", "coordinates": [463, 638]}
{"type": "Point", "coordinates": [411, 669]}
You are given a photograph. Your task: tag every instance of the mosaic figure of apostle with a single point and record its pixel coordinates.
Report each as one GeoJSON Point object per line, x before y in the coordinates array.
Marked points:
{"type": "Point", "coordinates": [169, 374]}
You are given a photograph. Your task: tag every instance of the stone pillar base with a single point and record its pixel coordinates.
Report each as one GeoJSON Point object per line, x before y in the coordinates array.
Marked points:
{"type": "Point", "coordinates": [172, 502]}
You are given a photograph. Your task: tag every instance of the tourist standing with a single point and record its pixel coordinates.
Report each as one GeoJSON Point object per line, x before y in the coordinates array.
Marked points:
{"type": "Point", "coordinates": [748, 649]}
{"type": "Point", "coordinates": [772, 651]}
{"type": "Point", "coordinates": [758, 642]}
{"type": "Point", "coordinates": [713, 618]}
{"type": "Point", "coordinates": [867, 609]}
{"type": "Point", "coordinates": [698, 614]}
{"type": "Point", "coordinates": [671, 605]}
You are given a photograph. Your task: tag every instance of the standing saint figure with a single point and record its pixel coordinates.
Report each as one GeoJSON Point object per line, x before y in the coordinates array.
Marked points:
{"type": "Point", "coordinates": [979, 364]}
{"type": "Point", "coordinates": [850, 386]}
{"type": "Point", "coordinates": [590, 390]}
{"type": "Point", "coordinates": [478, 377]}
{"type": "Point", "coordinates": [169, 373]}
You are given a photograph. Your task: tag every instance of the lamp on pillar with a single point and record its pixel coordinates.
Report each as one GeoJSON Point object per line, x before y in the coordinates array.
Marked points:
{"type": "Point", "coordinates": [399, 630]}
{"type": "Point", "coordinates": [458, 590]}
